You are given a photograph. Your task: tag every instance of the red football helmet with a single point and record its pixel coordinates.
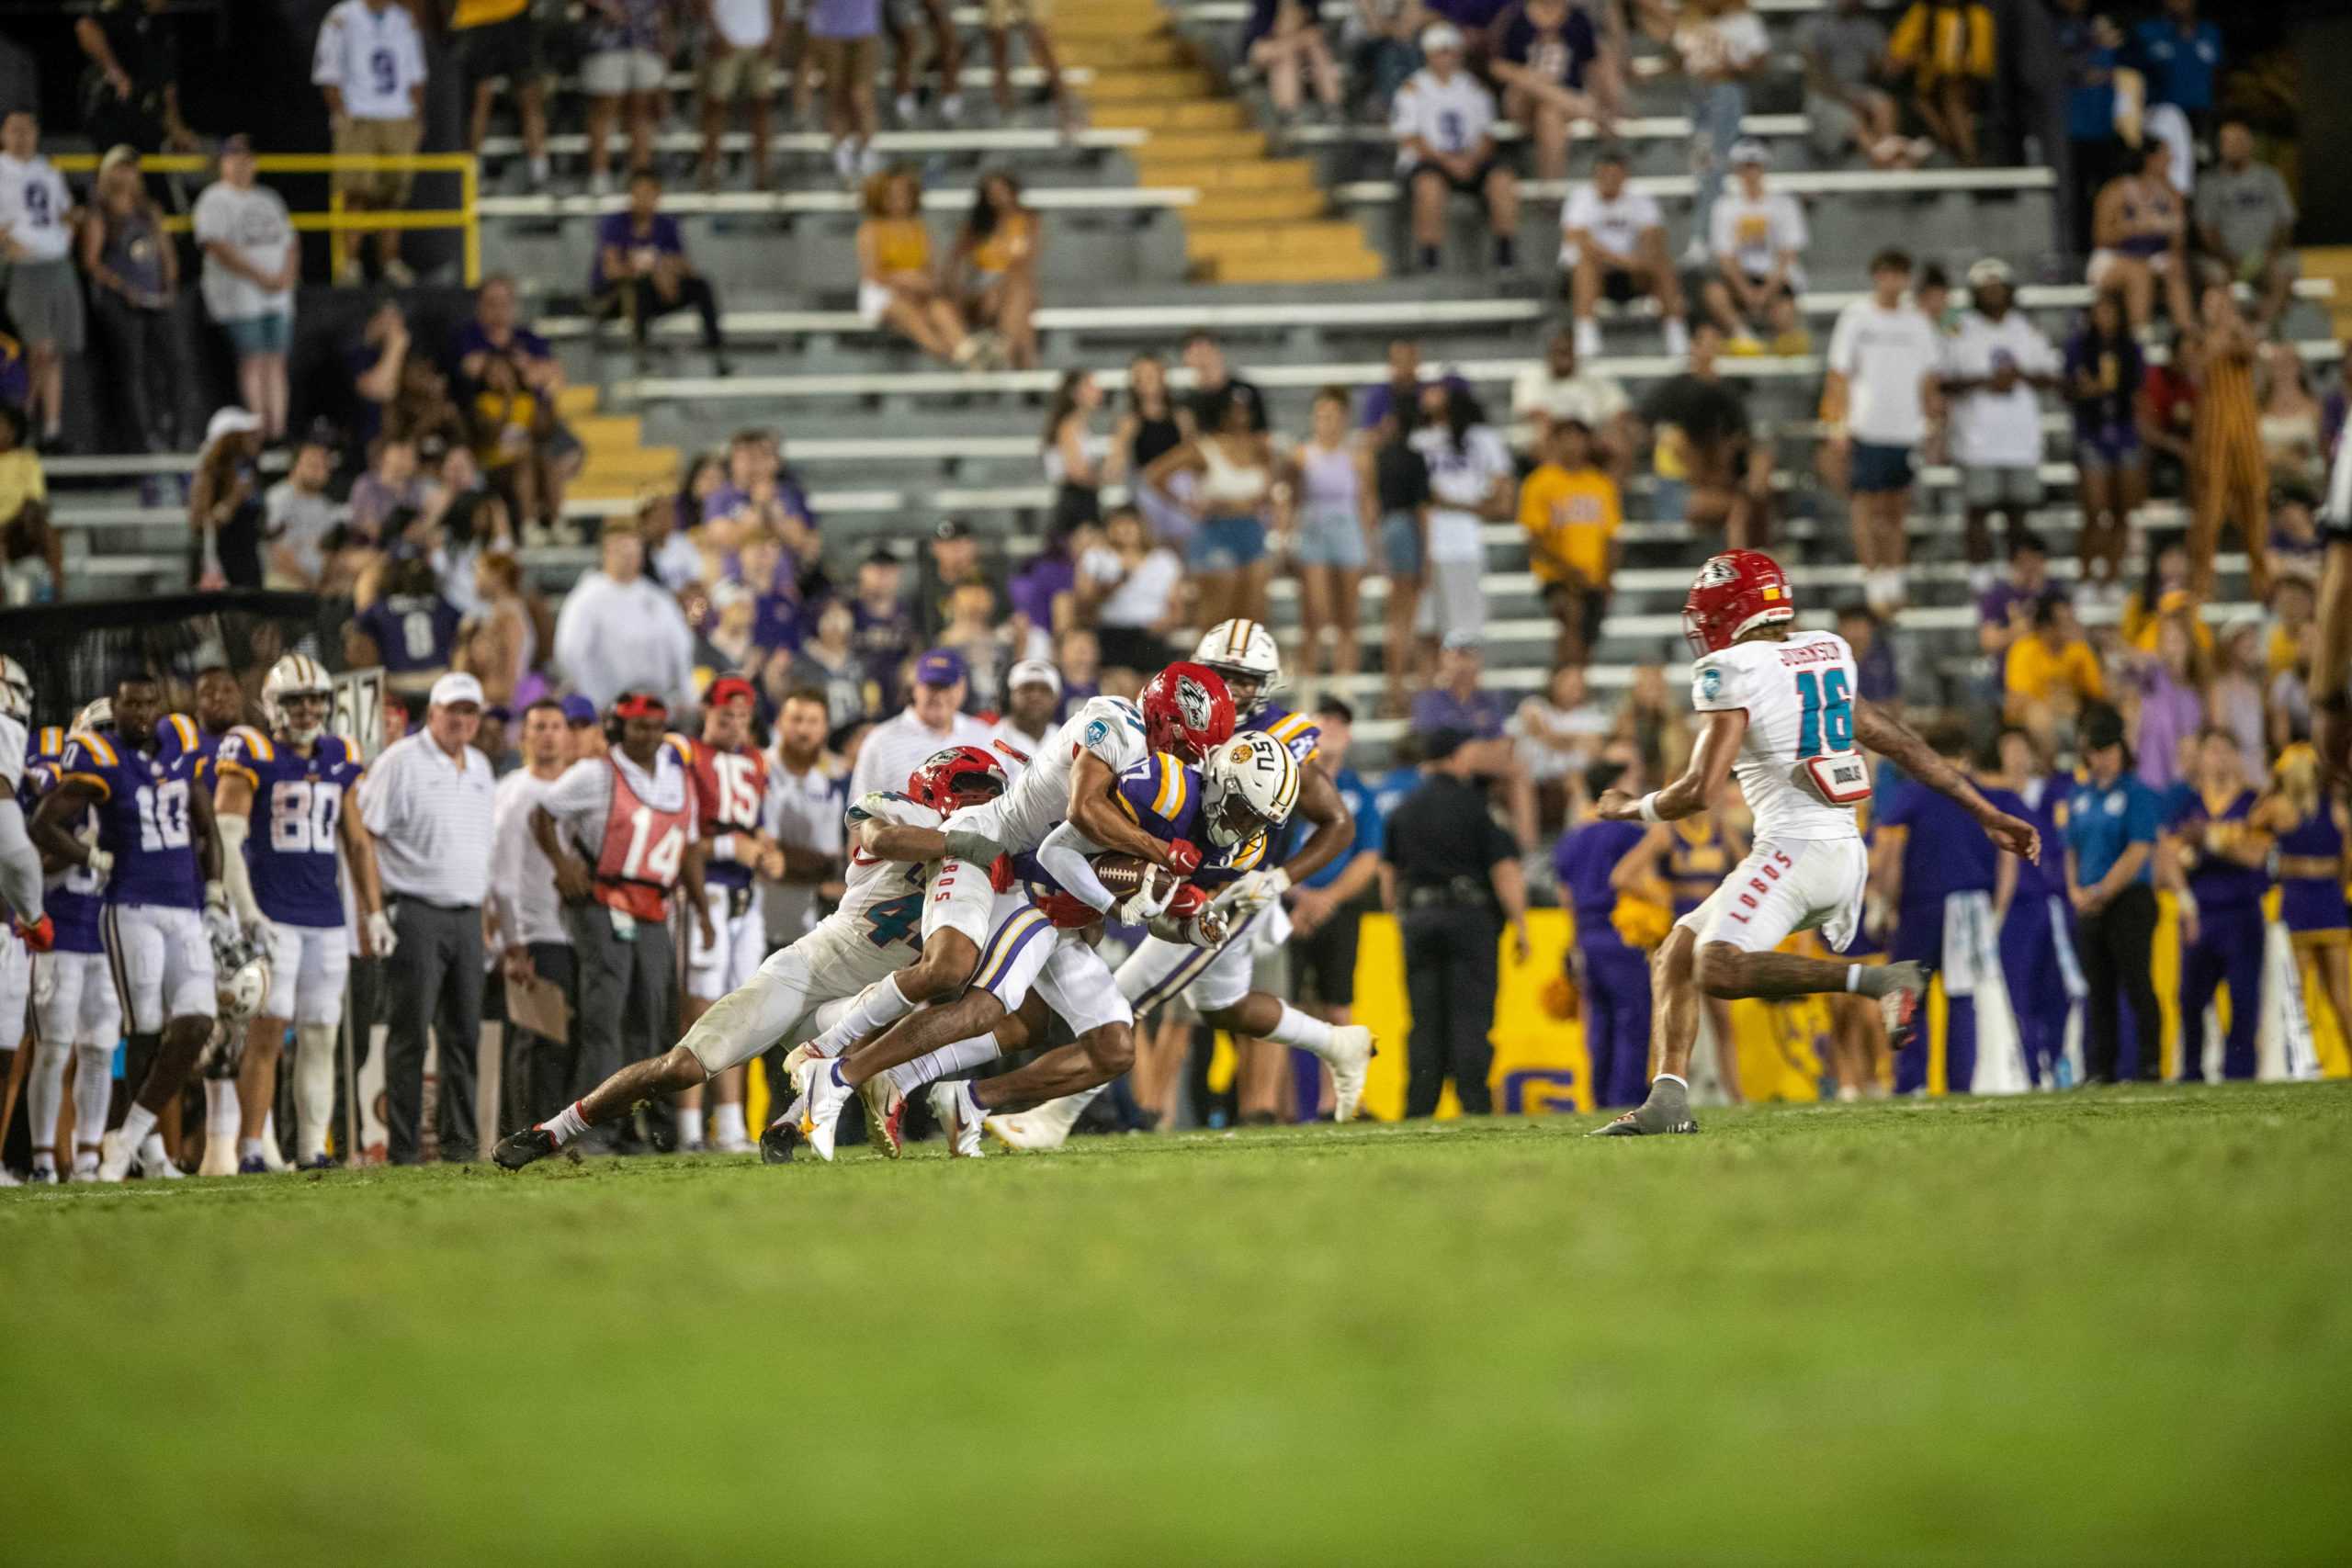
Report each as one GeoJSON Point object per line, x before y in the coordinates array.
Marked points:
{"type": "Point", "coordinates": [1187, 710]}
{"type": "Point", "coordinates": [960, 776]}
{"type": "Point", "coordinates": [1735, 592]}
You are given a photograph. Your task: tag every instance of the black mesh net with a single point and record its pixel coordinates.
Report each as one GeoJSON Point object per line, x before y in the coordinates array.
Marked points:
{"type": "Point", "coordinates": [76, 651]}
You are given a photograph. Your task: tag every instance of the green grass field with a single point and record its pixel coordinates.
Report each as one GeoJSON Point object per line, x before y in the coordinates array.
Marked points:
{"type": "Point", "coordinates": [2112, 1328]}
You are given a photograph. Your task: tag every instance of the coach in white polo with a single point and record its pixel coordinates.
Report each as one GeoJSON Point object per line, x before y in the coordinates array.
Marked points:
{"type": "Point", "coordinates": [428, 801]}
{"type": "Point", "coordinates": [933, 719]}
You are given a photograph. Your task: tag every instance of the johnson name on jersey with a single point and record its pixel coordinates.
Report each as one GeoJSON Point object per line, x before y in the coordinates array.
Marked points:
{"type": "Point", "coordinates": [144, 820]}
{"type": "Point", "coordinates": [1799, 695]}
{"type": "Point", "coordinates": [298, 812]}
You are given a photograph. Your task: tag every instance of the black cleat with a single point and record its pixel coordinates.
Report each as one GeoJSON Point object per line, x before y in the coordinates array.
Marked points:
{"type": "Point", "coordinates": [531, 1143]}
{"type": "Point", "coordinates": [783, 1137]}
{"type": "Point", "coordinates": [1667, 1110]}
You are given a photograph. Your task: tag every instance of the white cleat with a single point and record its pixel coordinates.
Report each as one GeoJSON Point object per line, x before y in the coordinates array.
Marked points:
{"type": "Point", "coordinates": [1350, 1059]}
{"type": "Point", "coordinates": [959, 1118]}
{"type": "Point", "coordinates": [114, 1156]}
{"type": "Point", "coordinates": [220, 1158]}
{"type": "Point", "coordinates": [1028, 1132]}
{"type": "Point", "coordinates": [827, 1095]}
{"type": "Point", "coordinates": [155, 1165]}
{"type": "Point", "coordinates": [885, 1111]}
{"type": "Point", "coordinates": [85, 1166]}
{"type": "Point", "coordinates": [731, 1144]}
{"type": "Point", "coordinates": [9, 1178]}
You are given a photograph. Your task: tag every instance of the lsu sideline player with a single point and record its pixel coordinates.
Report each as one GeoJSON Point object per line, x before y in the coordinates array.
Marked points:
{"type": "Point", "coordinates": [1777, 707]}
{"type": "Point", "coordinates": [75, 1004]}
{"type": "Point", "coordinates": [871, 935]}
{"type": "Point", "coordinates": [1216, 983]}
{"type": "Point", "coordinates": [294, 782]}
{"type": "Point", "coordinates": [164, 901]}
{"type": "Point", "coordinates": [1233, 803]}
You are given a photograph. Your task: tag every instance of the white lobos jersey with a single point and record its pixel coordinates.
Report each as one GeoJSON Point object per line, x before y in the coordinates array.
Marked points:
{"type": "Point", "coordinates": [876, 930]}
{"type": "Point", "coordinates": [1799, 694]}
{"type": "Point", "coordinates": [1038, 802]}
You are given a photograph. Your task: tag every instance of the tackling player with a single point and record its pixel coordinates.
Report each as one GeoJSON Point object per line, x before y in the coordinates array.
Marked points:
{"type": "Point", "coordinates": [156, 846]}
{"type": "Point", "coordinates": [1217, 984]}
{"type": "Point", "coordinates": [289, 899]}
{"type": "Point", "coordinates": [1779, 709]}
{"type": "Point", "coordinates": [730, 782]}
{"type": "Point", "coordinates": [869, 936]}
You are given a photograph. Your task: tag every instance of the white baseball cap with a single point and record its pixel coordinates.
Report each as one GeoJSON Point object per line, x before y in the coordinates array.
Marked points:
{"type": "Point", "coordinates": [456, 687]}
{"type": "Point", "coordinates": [1033, 671]}
{"type": "Point", "coordinates": [1441, 35]}
{"type": "Point", "coordinates": [1989, 269]}
{"type": "Point", "coordinates": [231, 420]}
{"type": "Point", "coordinates": [1749, 150]}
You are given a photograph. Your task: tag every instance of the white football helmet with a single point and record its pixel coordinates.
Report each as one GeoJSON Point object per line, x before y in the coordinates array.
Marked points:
{"type": "Point", "coordinates": [240, 978]}
{"type": "Point", "coordinates": [97, 717]}
{"type": "Point", "coordinates": [1243, 650]}
{"type": "Point", "coordinates": [16, 691]}
{"type": "Point", "coordinates": [1248, 783]}
{"type": "Point", "coordinates": [296, 675]}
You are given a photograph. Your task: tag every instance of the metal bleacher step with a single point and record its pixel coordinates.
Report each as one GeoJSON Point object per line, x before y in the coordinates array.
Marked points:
{"type": "Point", "coordinates": [1210, 114]}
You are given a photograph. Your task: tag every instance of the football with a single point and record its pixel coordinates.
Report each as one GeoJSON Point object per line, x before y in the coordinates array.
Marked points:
{"type": "Point", "coordinates": [1123, 874]}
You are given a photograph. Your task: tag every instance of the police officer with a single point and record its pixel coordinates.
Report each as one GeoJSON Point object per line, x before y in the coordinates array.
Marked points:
{"type": "Point", "coordinates": [1448, 868]}
{"type": "Point", "coordinates": [2110, 846]}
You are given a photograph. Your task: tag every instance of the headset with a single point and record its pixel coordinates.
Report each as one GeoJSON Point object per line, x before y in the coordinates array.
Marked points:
{"type": "Point", "coordinates": [628, 705]}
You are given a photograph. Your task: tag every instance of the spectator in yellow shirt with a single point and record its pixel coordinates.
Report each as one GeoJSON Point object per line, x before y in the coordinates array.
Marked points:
{"type": "Point", "coordinates": [2052, 674]}
{"type": "Point", "coordinates": [1947, 46]}
{"type": "Point", "coordinates": [1570, 509]}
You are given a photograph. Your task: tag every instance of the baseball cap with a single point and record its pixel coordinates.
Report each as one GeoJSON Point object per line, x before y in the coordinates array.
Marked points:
{"type": "Point", "coordinates": [237, 142]}
{"type": "Point", "coordinates": [1031, 672]}
{"type": "Point", "coordinates": [122, 153]}
{"type": "Point", "coordinates": [940, 666]}
{"type": "Point", "coordinates": [951, 528]}
{"type": "Point", "coordinates": [232, 420]}
{"type": "Point", "coordinates": [1990, 270]}
{"type": "Point", "coordinates": [578, 710]}
{"type": "Point", "coordinates": [456, 687]}
{"type": "Point", "coordinates": [1460, 638]}
{"type": "Point", "coordinates": [727, 688]}
{"type": "Point", "coordinates": [1441, 35]}
{"type": "Point", "coordinates": [883, 555]}
{"type": "Point", "coordinates": [1749, 150]}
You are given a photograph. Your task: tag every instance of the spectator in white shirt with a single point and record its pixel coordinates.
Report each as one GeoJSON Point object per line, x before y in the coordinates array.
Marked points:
{"type": "Point", "coordinates": [932, 720]}
{"type": "Point", "coordinates": [44, 299]}
{"type": "Point", "coordinates": [251, 263]}
{"type": "Point", "coordinates": [297, 513]}
{"type": "Point", "coordinates": [1033, 695]}
{"type": "Point", "coordinates": [619, 631]}
{"type": "Point", "coordinates": [1757, 239]}
{"type": "Point", "coordinates": [1881, 395]}
{"type": "Point", "coordinates": [526, 916]}
{"type": "Point", "coordinates": [1473, 481]}
{"type": "Point", "coordinates": [1443, 123]}
{"type": "Point", "coordinates": [1127, 586]}
{"type": "Point", "coordinates": [1558, 389]}
{"type": "Point", "coordinates": [1996, 364]}
{"type": "Point", "coordinates": [1612, 244]}
{"type": "Point", "coordinates": [428, 802]}
{"type": "Point", "coordinates": [370, 65]}
{"type": "Point", "coordinates": [803, 814]}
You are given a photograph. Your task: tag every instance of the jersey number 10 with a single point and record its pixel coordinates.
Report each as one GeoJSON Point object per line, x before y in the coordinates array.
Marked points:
{"type": "Point", "coordinates": [1827, 722]}
{"type": "Point", "coordinates": [162, 815]}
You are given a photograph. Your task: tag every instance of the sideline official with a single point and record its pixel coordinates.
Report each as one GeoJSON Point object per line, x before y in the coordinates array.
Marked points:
{"type": "Point", "coordinates": [1451, 873]}
{"type": "Point", "coordinates": [428, 802]}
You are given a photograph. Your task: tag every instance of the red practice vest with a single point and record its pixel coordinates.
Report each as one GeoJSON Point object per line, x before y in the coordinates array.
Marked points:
{"type": "Point", "coordinates": [638, 863]}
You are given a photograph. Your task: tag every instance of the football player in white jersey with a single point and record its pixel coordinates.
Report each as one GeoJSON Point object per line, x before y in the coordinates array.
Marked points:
{"type": "Point", "coordinates": [31, 930]}
{"type": "Point", "coordinates": [1778, 709]}
{"type": "Point", "coordinates": [1217, 983]}
{"type": "Point", "coordinates": [871, 935]}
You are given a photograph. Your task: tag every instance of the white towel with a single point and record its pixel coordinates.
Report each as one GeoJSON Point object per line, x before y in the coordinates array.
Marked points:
{"type": "Point", "coordinates": [1971, 967]}
{"type": "Point", "coordinates": [2282, 1045]}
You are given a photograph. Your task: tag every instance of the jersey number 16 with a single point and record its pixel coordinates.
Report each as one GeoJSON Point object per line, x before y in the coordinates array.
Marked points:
{"type": "Point", "coordinates": [1827, 722]}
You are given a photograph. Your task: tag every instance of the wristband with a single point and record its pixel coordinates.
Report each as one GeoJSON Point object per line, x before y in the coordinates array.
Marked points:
{"type": "Point", "coordinates": [1647, 807]}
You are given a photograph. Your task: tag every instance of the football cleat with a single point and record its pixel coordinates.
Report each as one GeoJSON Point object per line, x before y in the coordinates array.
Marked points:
{"type": "Point", "coordinates": [114, 1156]}
{"type": "Point", "coordinates": [1667, 1110]}
{"type": "Point", "coordinates": [820, 1120]}
{"type": "Point", "coordinates": [253, 1165]}
{"type": "Point", "coordinates": [958, 1119]}
{"type": "Point", "coordinates": [320, 1161]}
{"type": "Point", "coordinates": [42, 1176]}
{"type": "Point", "coordinates": [85, 1166]}
{"type": "Point", "coordinates": [9, 1178]}
{"type": "Point", "coordinates": [519, 1149]}
{"type": "Point", "coordinates": [1901, 1005]}
{"type": "Point", "coordinates": [1350, 1059]}
{"type": "Point", "coordinates": [154, 1163]}
{"type": "Point", "coordinates": [886, 1112]}
{"type": "Point", "coordinates": [1026, 1131]}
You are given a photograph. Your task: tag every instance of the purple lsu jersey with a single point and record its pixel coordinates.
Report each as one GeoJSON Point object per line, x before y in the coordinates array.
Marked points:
{"type": "Point", "coordinates": [297, 818]}
{"type": "Point", "coordinates": [1162, 796]}
{"type": "Point", "coordinates": [1299, 733]}
{"type": "Point", "coordinates": [176, 735]}
{"type": "Point", "coordinates": [72, 902]}
{"type": "Point", "coordinates": [144, 819]}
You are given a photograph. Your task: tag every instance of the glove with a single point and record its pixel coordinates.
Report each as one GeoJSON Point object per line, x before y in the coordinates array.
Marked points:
{"type": "Point", "coordinates": [1143, 906]}
{"type": "Point", "coordinates": [380, 935]}
{"type": "Point", "coordinates": [1183, 857]}
{"type": "Point", "coordinates": [1248, 893]}
{"type": "Point", "coordinates": [258, 931]}
{"type": "Point", "coordinates": [1000, 873]}
{"type": "Point", "coordinates": [220, 925]}
{"type": "Point", "coordinates": [100, 865]}
{"type": "Point", "coordinates": [1068, 912]}
{"type": "Point", "coordinates": [1203, 927]}
{"type": "Point", "coordinates": [40, 936]}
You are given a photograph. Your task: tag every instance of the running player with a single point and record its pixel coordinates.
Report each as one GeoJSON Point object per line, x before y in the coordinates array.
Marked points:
{"type": "Point", "coordinates": [74, 1005]}
{"type": "Point", "coordinates": [1778, 708]}
{"type": "Point", "coordinates": [287, 898]}
{"type": "Point", "coordinates": [730, 782]}
{"type": "Point", "coordinates": [164, 901]}
{"type": "Point", "coordinates": [1235, 802]}
{"type": "Point", "coordinates": [872, 934]}
{"type": "Point", "coordinates": [1217, 983]}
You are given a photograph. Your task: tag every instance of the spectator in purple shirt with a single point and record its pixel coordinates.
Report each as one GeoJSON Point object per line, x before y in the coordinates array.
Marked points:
{"type": "Point", "coordinates": [1876, 679]}
{"type": "Point", "coordinates": [642, 271]}
{"type": "Point", "coordinates": [760, 494]}
{"type": "Point", "coordinates": [1455, 702]}
{"type": "Point", "coordinates": [1399, 395]}
{"type": "Point", "coordinates": [2005, 613]}
{"type": "Point", "coordinates": [884, 629]}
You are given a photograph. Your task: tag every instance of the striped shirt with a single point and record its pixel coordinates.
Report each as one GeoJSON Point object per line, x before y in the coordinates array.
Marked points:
{"type": "Point", "coordinates": [432, 817]}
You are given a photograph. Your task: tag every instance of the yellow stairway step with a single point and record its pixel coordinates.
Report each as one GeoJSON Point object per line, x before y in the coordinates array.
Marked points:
{"type": "Point", "coordinates": [1264, 173]}
{"type": "Point", "coordinates": [1205, 114]}
{"type": "Point", "coordinates": [1216, 207]}
{"type": "Point", "coordinates": [604, 431]}
{"type": "Point", "coordinates": [641, 462]}
{"type": "Point", "coordinates": [1359, 267]}
{"type": "Point", "coordinates": [1123, 52]}
{"type": "Point", "coordinates": [1204, 146]}
{"type": "Point", "coordinates": [1250, 239]}
{"type": "Point", "coordinates": [1123, 87]}
{"type": "Point", "coordinates": [1106, 19]}
{"type": "Point", "coordinates": [576, 401]}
